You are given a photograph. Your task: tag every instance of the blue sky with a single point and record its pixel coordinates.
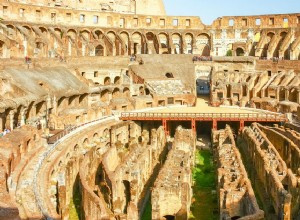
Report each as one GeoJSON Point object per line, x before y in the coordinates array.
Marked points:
{"type": "Point", "coordinates": [209, 10]}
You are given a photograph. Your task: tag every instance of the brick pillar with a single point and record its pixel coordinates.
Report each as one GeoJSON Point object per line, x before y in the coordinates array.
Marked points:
{"type": "Point", "coordinates": [215, 124]}
{"type": "Point", "coordinates": [242, 125]}
{"type": "Point", "coordinates": [166, 128]}
{"type": "Point", "coordinates": [194, 126]}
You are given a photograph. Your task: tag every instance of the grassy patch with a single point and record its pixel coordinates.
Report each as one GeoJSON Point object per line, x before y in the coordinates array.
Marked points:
{"type": "Point", "coordinates": [75, 205]}
{"type": "Point", "coordinates": [205, 203]}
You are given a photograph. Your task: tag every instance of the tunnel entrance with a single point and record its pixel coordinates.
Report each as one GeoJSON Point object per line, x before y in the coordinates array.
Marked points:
{"type": "Point", "coordinates": [203, 86]}
{"type": "Point", "coordinates": [169, 217]}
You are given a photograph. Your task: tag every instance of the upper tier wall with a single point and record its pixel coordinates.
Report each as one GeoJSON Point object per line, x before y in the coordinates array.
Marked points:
{"type": "Point", "coordinates": [146, 7]}
{"type": "Point", "coordinates": [11, 11]}
{"type": "Point", "coordinates": [258, 21]}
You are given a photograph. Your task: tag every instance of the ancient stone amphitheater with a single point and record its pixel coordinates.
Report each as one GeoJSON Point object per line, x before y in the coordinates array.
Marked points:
{"type": "Point", "coordinates": [105, 107]}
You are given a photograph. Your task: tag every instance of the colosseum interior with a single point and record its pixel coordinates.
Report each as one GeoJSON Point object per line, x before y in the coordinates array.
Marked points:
{"type": "Point", "coordinates": [115, 111]}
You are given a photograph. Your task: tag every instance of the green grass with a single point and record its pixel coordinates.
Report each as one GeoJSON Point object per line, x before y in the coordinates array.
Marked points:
{"type": "Point", "coordinates": [205, 204]}
{"type": "Point", "coordinates": [147, 215]}
{"type": "Point", "coordinates": [74, 206]}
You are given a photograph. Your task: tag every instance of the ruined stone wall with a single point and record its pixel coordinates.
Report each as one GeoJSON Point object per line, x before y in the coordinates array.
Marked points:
{"type": "Point", "coordinates": [285, 144]}
{"type": "Point", "coordinates": [171, 193]}
{"type": "Point", "coordinates": [236, 196]}
{"type": "Point", "coordinates": [256, 86]}
{"type": "Point", "coordinates": [17, 149]}
{"type": "Point", "coordinates": [134, 163]}
{"type": "Point", "coordinates": [269, 168]}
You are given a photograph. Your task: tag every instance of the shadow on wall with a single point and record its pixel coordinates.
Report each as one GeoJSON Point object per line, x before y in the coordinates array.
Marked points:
{"type": "Point", "coordinates": [13, 213]}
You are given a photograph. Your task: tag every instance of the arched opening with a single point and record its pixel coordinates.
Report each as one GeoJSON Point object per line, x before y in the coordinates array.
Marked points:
{"type": "Point", "coordinates": [203, 44]}
{"type": "Point", "coordinates": [116, 93]}
{"type": "Point", "coordinates": [82, 98]}
{"type": "Point", "coordinates": [169, 217]}
{"type": "Point", "coordinates": [164, 45]}
{"type": "Point", "coordinates": [75, 205]}
{"type": "Point", "coordinates": [147, 91]}
{"type": "Point", "coordinates": [104, 95]}
{"type": "Point", "coordinates": [152, 43]}
{"type": "Point", "coordinates": [189, 43]}
{"type": "Point", "coordinates": [125, 38]}
{"type": "Point", "coordinates": [141, 90]}
{"type": "Point", "coordinates": [169, 75]}
{"type": "Point", "coordinates": [71, 36]}
{"type": "Point", "coordinates": [99, 50]}
{"type": "Point", "coordinates": [107, 81]}
{"type": "Point", "coordinates": [293, 95]}
{"type": "Point", "coordinates": [137, 43]}
{"type": "Point", "coordinates": [176, 38]}
{"type": "Point", "coordinates": [41, 108]}
{"type": "Point", "coordinates": [117, 80]}
{"type": "Point", "coordinates": [278, 46]}
{"type": "Point", "coordinates": [126, 92]}
{"type": "Point", "coordinates": [240, 52]}
{"type": "Point", "coordinates": [266, 45]}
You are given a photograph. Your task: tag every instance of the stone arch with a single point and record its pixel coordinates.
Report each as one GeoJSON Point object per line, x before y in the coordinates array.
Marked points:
{"type": "Point", "coordinates": [177, 42]}
{"type": "Point", "coordinates": [11, 31]}
{"type": "Point", "coordinates": [117, 80]}
{"type": "Point", "coordinates": [116, 93]}
{"type": "Point", "coordinates": [117, 45]}
{"type": "Point", "coordinates": [40, 49]}
{"type": "Point", "coordinates": [293, 94]}
{"type": "Point", "coordinates": [96, 137]}
{"type": "Point", "coordinates": [40, 107]}
{"type": "Point", "coordinates": [76, 148]}
{"type": "Point", "coordinates": [60, 102]}
{"type": "Point", "coordinates": [126, 41]}
{"type": "Point", "coordinates": [141, 90]}
{"type": "Point", "coordinates": [107, 81]}
{"type": "Point", "coordinates": [83, 98]}
{"type": "Point", "coordinates": [282, 36]}
{"type": "Point", "coordinates": [71, 42]}
{"type": "Point", "coordinates": [164, 42]}
{"type": "Point", "coordinates": [44, 30]}
{"type": "Point", "coordinates": [239, 51]}
{"type": "Point", "coordinates": [98, 34]}
{"type": "Point", "coordinates": [203, 44]}
{"type": "Point", "coordinates": [99, 50]}
{"type": "Point", "coordinates": [152, 43]}
{"type": "Point", "coordinates": [104, 95]}
{"type": "Point", "coordinates": [147, 91]}
{"type": "Point", "coordinates": [189, 43]}
{"type": "Point", "coordinates": [265, 47]}
{"type": "Point", "coordinates": [137, 39]}
{"type": "Point", "coordinates": [126, 92]}
{"type": "Point", "coordinates": [85, 36]}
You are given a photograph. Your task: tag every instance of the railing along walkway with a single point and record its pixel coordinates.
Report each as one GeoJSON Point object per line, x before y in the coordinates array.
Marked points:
{"type": "Point", "coordinates": [203, 116]}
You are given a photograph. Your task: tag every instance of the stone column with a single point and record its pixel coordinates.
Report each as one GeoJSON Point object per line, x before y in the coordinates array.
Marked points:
{"type": "Point", "coordinates": [11, 120]}
{"type": "Point", "coordinates": [286, 94]}
{"type": "Point", "coordinates": [2, 116]}
{"type": "Point", "coordinates": [23, 117]}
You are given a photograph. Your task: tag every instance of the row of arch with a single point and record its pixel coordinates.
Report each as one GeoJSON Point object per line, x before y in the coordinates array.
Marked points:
{"type": "Point", "coordinates": [55, 41]}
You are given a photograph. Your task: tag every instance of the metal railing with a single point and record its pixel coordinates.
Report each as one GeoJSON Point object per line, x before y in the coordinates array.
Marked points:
{"type": "Point", "coordinates": [207, 116]}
